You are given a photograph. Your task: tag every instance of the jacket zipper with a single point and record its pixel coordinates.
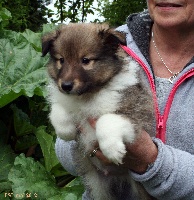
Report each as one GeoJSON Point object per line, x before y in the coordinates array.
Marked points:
{"type": "Point", "coordinates": [161, 133]}
{"type": "Point", "coordinates": [160, 119]}
{"type": "Point", "coordinates": [160, 128]}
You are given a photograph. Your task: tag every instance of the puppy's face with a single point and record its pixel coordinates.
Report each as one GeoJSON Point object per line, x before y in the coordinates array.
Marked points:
{"type": "Point", "coordinates": [83, 56]}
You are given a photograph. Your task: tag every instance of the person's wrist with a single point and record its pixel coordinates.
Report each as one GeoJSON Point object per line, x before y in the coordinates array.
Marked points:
{"type": "Point", "coordinates": [147, 163]}
{"type": "Point", "coordinates": [143, 168]}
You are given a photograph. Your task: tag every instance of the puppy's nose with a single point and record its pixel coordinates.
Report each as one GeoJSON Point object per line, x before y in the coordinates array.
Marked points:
{"type": "Point", "coordinates": [67, 86]}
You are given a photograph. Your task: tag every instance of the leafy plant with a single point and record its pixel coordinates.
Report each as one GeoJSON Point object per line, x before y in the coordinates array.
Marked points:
{"type": "Point", "coordinates": [73, 10]}
{"type": "Point", "coordinates": [41, 186]}
{"type": "Point", "coordinates": [21, 72]}
{"type": "Point", "coordinates": [6, 161]}
{"type": "Point", "coordinates": [26, 14]}
{"type": "Point", "coordinates": [29, 166]}
{"type": "Point", "coordinates": [115, 12]}
{"type": "Point", "coordinates": [5, 15]}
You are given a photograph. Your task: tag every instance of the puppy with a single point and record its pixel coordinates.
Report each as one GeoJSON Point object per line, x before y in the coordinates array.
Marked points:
{"type": "Point", "coordinates": [92, 77]}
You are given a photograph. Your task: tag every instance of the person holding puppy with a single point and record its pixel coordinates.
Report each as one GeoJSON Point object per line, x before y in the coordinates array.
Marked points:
{"type": "Point", "coordinates": [162, 38]}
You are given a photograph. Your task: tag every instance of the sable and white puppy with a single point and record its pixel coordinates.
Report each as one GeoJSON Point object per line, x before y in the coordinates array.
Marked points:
{"type": "Point", "coordinates": [92, 77]}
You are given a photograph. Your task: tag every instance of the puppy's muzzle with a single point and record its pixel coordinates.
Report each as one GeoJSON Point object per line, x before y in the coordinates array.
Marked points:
{"type": "Point", "coordinates": [67, 86]}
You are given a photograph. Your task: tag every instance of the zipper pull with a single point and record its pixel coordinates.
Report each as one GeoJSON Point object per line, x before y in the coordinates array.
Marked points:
{"type": "Point", "coordinates": [160, 122]}
{"type": "Point", "coordinates": [160, 127]}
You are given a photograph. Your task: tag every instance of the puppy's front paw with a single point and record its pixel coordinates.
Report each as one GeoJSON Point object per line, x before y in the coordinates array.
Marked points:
{"type": "Point", "coordinates": [113, 150]}
{"type": "Point", "coordinates": [62, 123]}
{"type": "Point", "coordinates": [67, 132]}
{"type": "Point", "coordinates": [112, 131]}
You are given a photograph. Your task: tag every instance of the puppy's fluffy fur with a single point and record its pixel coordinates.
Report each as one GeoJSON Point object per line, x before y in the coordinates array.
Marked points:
{"type": "Point", "coordinates": [92, 77]}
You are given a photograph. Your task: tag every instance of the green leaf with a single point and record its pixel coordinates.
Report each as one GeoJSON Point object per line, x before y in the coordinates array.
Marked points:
{"type": "Point", "coordinates": [58, 170]}
{"type": "Point", "coordinates": [21, 122]}
{"type": "Point", "coordinates": [7, 98]}
{"type": "Point", "coordinates": [46, 142]}
{"type": "Point", "coordinates": [5, 186]}
{"type": "Point", "coordinates": [6, 162]}
{"type": "Point", "coordinates": [72, 191]}
{"type": "Point", "coordinates": [4, 196]}
{"type": "Point", "coordinates": [25, 142]}
{"type": "Point", "coordinates": [22, 70]}
{"type": "Point", "coordinates": [28, 176]}
{"type": "Point", "coordinates": [33, 39]}
{"type": "Point", "coordinates": [5, 16]}
{"type": "Point", "coordinates": [48, 28]}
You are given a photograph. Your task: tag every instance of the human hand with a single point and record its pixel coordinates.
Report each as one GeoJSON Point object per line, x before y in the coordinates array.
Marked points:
{"type": "Point", "coordinates": [139, 156]}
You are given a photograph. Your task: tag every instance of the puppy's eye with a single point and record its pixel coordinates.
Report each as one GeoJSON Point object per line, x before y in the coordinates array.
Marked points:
{"type": "Point", "coordinates": [61, 60]}
{"type": "Point", "coordinates": [85, 61]}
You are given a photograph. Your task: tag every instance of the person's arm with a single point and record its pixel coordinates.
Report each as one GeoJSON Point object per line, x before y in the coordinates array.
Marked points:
{"type": "Point", "coordinates": [171, 176]}
{"type": "Point", "coordinates": [64, 150]}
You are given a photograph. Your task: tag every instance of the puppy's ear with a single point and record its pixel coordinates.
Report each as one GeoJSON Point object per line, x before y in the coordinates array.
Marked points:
{"type": "Point", "coordinates": [113, 38]}
{"type": "Point", "coordinates": [47, 41]}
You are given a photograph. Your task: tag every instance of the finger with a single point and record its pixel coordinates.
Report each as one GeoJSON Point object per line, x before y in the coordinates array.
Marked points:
{"type": "Point", "coordinates": [102, 158]}
{"type": "Point", "coordinates": [92, 122]}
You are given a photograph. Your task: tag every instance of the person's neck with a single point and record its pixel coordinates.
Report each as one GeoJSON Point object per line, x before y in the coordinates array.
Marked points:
{"type": "Point", "coordinates": [170, 50]}
{"type": "Point", "coordinates": [174, 40]}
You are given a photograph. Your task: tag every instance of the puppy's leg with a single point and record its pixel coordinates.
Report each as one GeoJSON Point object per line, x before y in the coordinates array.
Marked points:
{"type": "Point", "coordinates": [112, 131]}
{"type": "Point", "coordinates": [62, 122]}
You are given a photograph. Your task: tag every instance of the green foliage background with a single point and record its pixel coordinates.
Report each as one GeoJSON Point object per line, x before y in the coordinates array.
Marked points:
{"type": "Point", "coordinates": [115, 12]}
{"type": "Point", "coordinates": [29, 14]}
{"type": "Point", "coordinates": [29, 166]}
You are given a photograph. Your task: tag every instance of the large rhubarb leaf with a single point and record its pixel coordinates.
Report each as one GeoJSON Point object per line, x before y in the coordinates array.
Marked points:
{"type": "Point", "coordinates": [22, 69]}
{"type": "Point", "coordinates": [30, 177]}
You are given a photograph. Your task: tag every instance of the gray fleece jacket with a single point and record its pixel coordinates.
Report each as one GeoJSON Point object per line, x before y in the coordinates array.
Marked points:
{"type": "Point", "coordinates": [172, 175]}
